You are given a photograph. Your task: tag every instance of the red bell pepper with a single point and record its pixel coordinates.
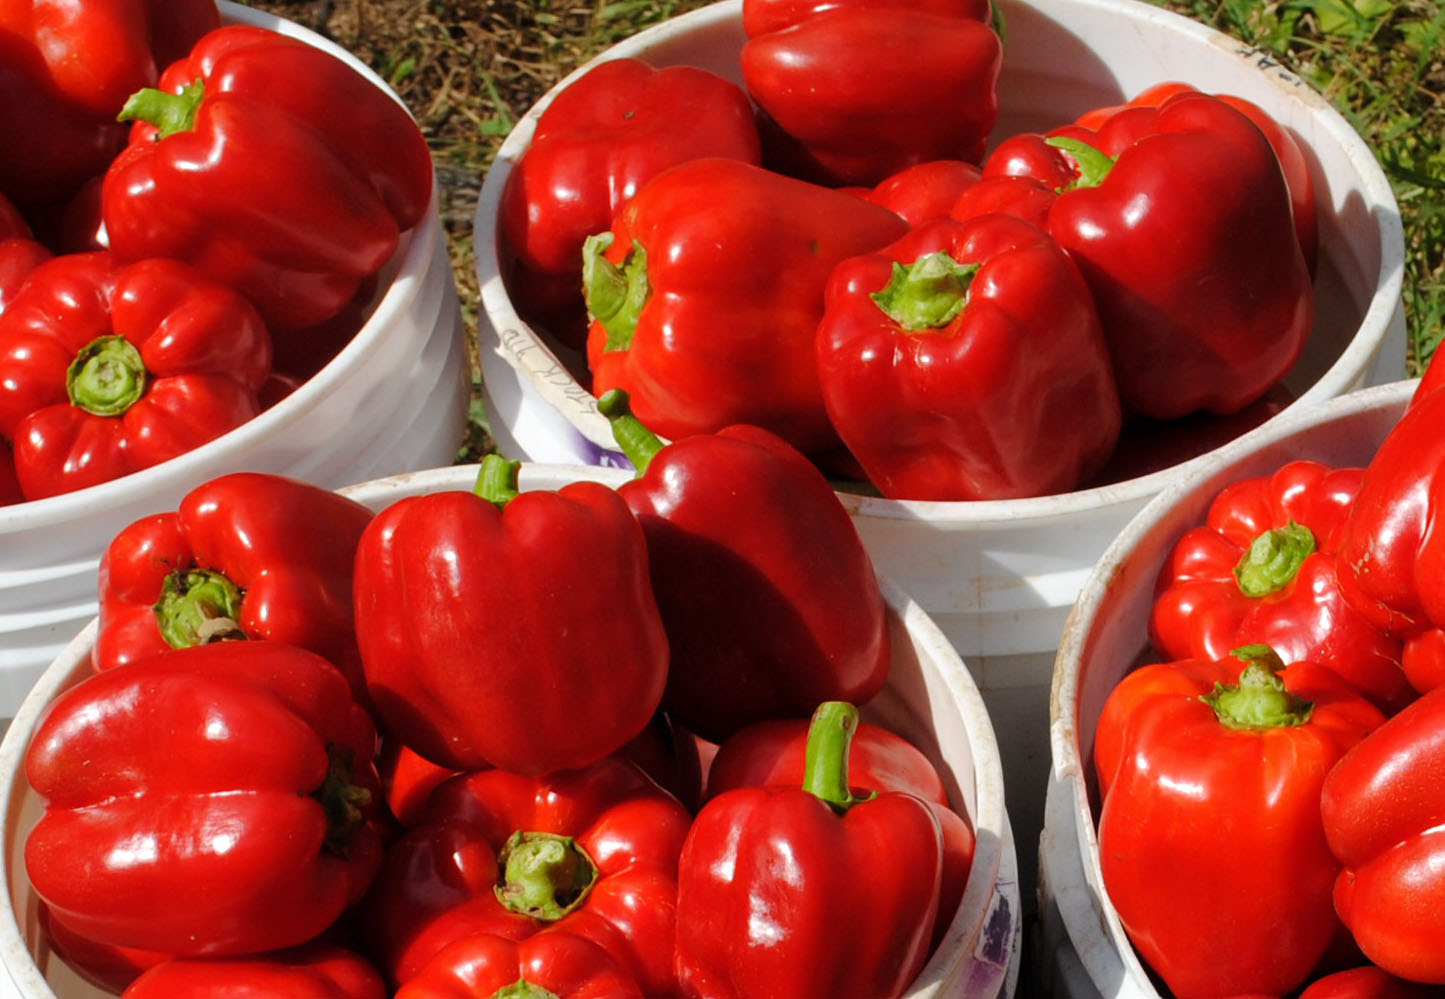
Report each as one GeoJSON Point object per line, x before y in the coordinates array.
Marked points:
{"type": "Point", "coordinates": [771, 754]}
{"type": "Point", "coordinates": [19, 256]}
{"type": "Point", "coordinates": [9, 484]}
{"type": "Point", "coordinates": [551, 965]}
{"type": "Point", "coordinates": [105, 966]}
{"type": "Point", "coordinates": [270, 165]}
{"type": "Point", "coordinates": [1391, 560]}
{"type": "Point", "coordinates": [851, 916]}
{"type": "Point", "coordinates": [1286, 149]}
{"type": "Point", "coordinates": [313, 972]}
{"type": "Point", "coordinates": [855, 90]}
{"type": "Point", "coordinates": [1262, 569]}
{"type": "Point", "coordinates": [66, 70]}
{"type": "Point", "coordinates": [591, 851]}
{"type": "Point", "coordinates": [1180, 219]}
{"type": "Point", "coordinates": [770, 601]}
{"type": "Point", "coordinates": [1026, 197]}
{"type": "Point", "coordinates": [1384, 815]}
{"type": "Point", "coordinates": [707, 291]}
{"type": "Point", "coordinates": [113, 368]}
{"type": "Point", "coordinates": [602, 137]}
{"type": "Point", "coordinates": [246, 555]}
{"type": "Point", "coordinates": [923, 192]}
{"type": "Point", "coordinates": [965, 361]}
{"type": "Point", "coordinates": [211, 801]}
{"type": "Point", "coordinates": [536, 605]}
{"type": "Point", "coordinates": [1368, 982]}
{"type": "Point", "coordinates": [1210, 838]}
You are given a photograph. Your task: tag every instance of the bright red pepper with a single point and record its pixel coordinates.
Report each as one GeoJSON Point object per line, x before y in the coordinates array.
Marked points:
{"type": "Point", "coordinates": [66, 70]}
{"type": "Point", "coordinates": [591, 851]}
{"type": "Point", "coordinates": [314, 972]}
{"type": "Point", "coordinates": [516, 630]}
{"type": "Point", "coordinates": [771, 754]}
{"type": "Point", "coordinates": [604, 136]}
{"type": "Point", "coordinates": [551, 965]}
{"type": "Point", "coordinates": [1391, 556]}
{"type": "Point", "coordinates": [1384, 814]}
{"type": "Point", "coordinates": [1180, 219]}
{"type": "Point", "coordinates": [827, 928]}
{"type": "Point", "coordinates": [965, 361]}
{"type": "Point", "coordinates": [922, 192]}
{"type": "Point", "coordinates": [706, 294]}
{"type": "Point", "coordinates": [1368, 982]}
{"type": "Point", "coordinates": [112, 368]}
{"type": "Point", "coordinates": [1262, 569]}
{"type": "Point", "coordinates": [272, 166]}
{"type": "Point", "coordinates": [855, 90]}
{"type": "Point", "coordinates": [19, 256]}
{"type": "Point", "coordinates": [770, 601]}
{"type": "Point", "coordinates": [245, 555]}
{"type": "Point", "coordinates": [210, 801]}
{"type": "Point", "coordinates": [1286, 149]}
{"type": "Point", "coordinates": [1210, 838]}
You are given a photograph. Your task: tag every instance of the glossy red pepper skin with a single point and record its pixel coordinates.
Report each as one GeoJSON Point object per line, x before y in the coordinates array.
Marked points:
{"type": "Point", "coordinates": [194, 352]}
{"type": "Point", "coordinates": [602, 137]}
{"type": "Point", "coordinates": [1262, 569]}
{"type": "Point", "coordinates": [856, 90]}
{"type": "Point", "coordinates": [1286, 149]}
{"type": "Point", "coordinates": [1391, 555]}
{"type": "Point", "coordinates": [745, 932]}
{"type": "Point", "coordinates": [771, 754]}
{"type": "Point", "coordinates": [770, 601]}
{"type": "Point", "coordinates": [66, 71]}
{"type": "Point", "coordinates": [736, 258]}
{"type": "Point", "coordinates": [483, 966]}
{"type": "Point", "coordinates": [1007, 392]}
{"type": "Point", "coordinates": [438, 883]}
{"type": "Point", "coordinates": [184, 809]}
{"type": "Point", "coordinates": [1383, 806]}
{"type": "Point", "coordinates": [1206, 300]}
{"type": "Point", "coordinates": [1204, 824]}
{"type": "Point", "coordinates": [923, 192]}
{"type": "Point", "coordinates": [1367, 982]}
{"type": "Point", "coordinates": [293, 181]}
{"type": "Point", "coordinates": [545, 606]}
{"type": "Point", "coordinates": [313, 972]}
{"type": "Point", "coordinates": [248, 555]}
{"type": "Point", "coordinates": [19, 256]}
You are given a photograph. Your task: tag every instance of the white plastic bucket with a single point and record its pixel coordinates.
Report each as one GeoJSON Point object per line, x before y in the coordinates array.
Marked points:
{"type": "Point", "coordinates": [395, 398]}
{"type": "Point", "coordinates": [929, 699]}
{"type": "Point", "coordinates": [999, 577]}
{"type": "Point", "coordinates": [1107, 632]}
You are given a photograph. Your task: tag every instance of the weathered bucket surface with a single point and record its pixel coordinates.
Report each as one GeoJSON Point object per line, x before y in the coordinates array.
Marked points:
{"type": "Point", "coordinates": [930, 699]}
{"type": "Point", "coordinates": [393, 399]}
{"type": "Point", "coordinates": [1107, 632]}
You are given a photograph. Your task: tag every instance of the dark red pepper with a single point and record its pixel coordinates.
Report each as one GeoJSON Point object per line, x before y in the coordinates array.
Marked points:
{"type": "Point", "coordinates": [855, 90]}
{"type": "Point", "coordinates": [244, 556]}
{"type": "Point", "coordinates": [602, 137]}
{"type": "Point", "coordinates": [111, 368]}
{"type": "Point", "coordinates": [271, 165]}
{"type": "Point", "coordinates": [965, 361]}
{"type": "Point", "coordinates": [312, 972]}
{"type": "Point", "coordinates": [770, 601]}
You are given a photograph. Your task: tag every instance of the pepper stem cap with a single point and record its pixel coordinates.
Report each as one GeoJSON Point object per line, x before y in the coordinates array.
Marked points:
{"type": "Point", "coordinates": [1094, 164]}
{"type": "Point", "coordinates": [927, 294]}
{"type": "Point", "coordinates": [1259, 701]}
{"type": "Point", "coordinates": [169, 113]}
{"type": "Point", "coordinates": [543, 875]}
{"type": "Point", "coordinates": [615, 295]}
{"type": "Point", "coordinates": [825, 760]}
{"type": "Point", "coordinates": [637, 442]}
{"type": "Point", "coordinates": [1274, 559]}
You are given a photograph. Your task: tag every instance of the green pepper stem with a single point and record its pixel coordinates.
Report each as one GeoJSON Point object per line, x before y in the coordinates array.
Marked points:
{"type": "Point", "coordinates": [825, 760]}
{"type": "Point", "coordinates": [107, 377]}
{"type": "Point", "coordinates": [169, 113]}
{"type": "Point", "coordinates": [1094, 164]}
{"type": "Point", "coordinates": [927, 294]}
{"type": "Point", "coordinates": [342, 801]}
{"type": "Point", "coordinates": [637, 442]}
{"type": "Point", "coordinates": [1274, 559]}
{"type": "Point", "coordinates": [1259, 701]}
{"type": "Point", "coordinates": [198, 606]}
{"type": "Point", "coordinates": [497, 480]}
{"type": "Point", "coordinates": [615, 295]}
{"type": "Point", "coordinates": [523, 989]}
{"type": "Point", "coordinates": [543, 875]}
